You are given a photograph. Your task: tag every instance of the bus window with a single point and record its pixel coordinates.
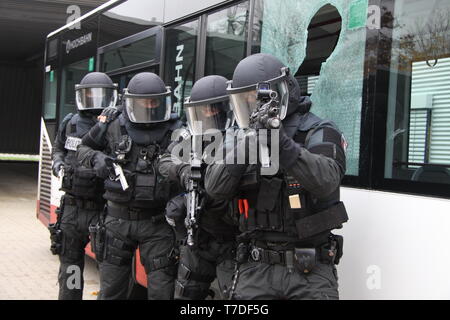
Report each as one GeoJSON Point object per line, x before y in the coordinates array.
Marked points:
{"type": "Point", "coordinates": [175, 9]}
{"type": "Point", "coordinates": [128, 55]}
{"type": "Point", "coordinates": [122, 80]}
{"type": "Point", "coordinates": [226, 40]}
{"type": "Point", "coordinates": [325, 50]}
{"type": "Point", "coordinates": [71, 75]}
{"type": "Point", "coordinates": [129, 18]}
{"type": "Point", "coordinates": [180, 54]}
{"type": "Point", "coordinates": [50, 87]}
{"type": "Point", "coordinates": [418, 121]}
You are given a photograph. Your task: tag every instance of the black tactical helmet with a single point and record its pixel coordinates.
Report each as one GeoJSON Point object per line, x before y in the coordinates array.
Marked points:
{"type": "Point", "coordinates": [96, 91]}
{"type": "Point", "coordinates": [258, 68]}
{"type": "Point", "coordinates": [147, 99]}
{"type": "Point", "coordinates": [208, 107]}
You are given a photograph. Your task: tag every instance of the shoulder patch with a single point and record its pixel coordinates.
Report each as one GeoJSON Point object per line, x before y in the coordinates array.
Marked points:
{"type": "Point", "coordinates": [332, 135]}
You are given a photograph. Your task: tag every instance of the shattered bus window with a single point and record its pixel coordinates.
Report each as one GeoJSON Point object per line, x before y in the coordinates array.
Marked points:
{"type": "Point", "coordinates": [325, 55]}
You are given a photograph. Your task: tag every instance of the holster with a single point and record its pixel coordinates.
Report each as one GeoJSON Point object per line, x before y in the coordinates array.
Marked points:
{"type": "Point", "coordinates": [55, 238]}
{"type": "Point", "coordinates": [56, 241]}
{"type": "Point", "coordinates": [334, 249]}
{"type": "Point", "coordinates": [97, 234]}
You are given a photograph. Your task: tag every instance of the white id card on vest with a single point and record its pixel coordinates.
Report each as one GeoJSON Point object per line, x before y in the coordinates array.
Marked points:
{"type": "Point", "coordinates": [72, 143]}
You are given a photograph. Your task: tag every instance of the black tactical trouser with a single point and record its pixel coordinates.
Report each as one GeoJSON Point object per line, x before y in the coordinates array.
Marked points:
{"type": "Point", "coordinates": [262, 281]}
{"type": "Point", "coordinates": [200, 265]}
{"type": "Point", "coordinates": [155, 240]}
{"type": "Point", "coordinates": [75, 223]}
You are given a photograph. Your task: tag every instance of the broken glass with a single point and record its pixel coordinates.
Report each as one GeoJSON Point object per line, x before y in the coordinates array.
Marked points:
{"type": "Point", "coordinates": [337, 93]}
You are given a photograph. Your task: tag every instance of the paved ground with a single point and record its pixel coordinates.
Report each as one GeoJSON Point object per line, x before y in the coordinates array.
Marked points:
{"type": "Point", "coordinates": [28, 270]}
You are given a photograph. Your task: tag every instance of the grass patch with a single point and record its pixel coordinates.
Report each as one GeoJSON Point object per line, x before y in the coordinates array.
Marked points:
{"type": "Point", "coordinates": [19, 157]}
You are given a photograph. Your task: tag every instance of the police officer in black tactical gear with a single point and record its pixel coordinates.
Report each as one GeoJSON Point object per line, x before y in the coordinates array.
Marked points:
{"type": "Point", "coordinates": [125, 152]}
{"type": "Point", "coordinates": [212, 252]}
{"type": "Point", "coordinates": [82, 202]}
{"type": "Point", "coordinates": [286, 249]}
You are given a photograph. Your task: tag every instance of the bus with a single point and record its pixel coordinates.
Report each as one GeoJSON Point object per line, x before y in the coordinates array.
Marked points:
{"type": "Point", "coordinates": [380, 69]}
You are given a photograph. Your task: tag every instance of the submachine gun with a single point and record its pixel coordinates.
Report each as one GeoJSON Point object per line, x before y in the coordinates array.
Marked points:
{"type": "Point", "coordinates": [267, 113]}
{"type": "Point", "coordinates": [195, 199]}
{"type": "Point", "coordinates": [265, 116]}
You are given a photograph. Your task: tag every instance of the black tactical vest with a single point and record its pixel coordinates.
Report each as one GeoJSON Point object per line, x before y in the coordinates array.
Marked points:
{"type": "Point", "coordinates": [277, 208]}
{"type": "Point", "coordinates": [138, 151]}
{"type": "Point", "coordinates": [79, 181]}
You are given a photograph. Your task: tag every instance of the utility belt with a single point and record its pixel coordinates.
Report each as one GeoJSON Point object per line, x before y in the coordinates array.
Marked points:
{"type": "Point", "coordinates": [304, 259]}
{"type": "Point", "coordinates": [131, 213]}
{"type": "Point", "coordinates": [80, 203]}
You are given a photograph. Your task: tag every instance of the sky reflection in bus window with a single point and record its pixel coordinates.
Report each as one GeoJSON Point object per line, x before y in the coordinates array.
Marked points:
{"type": "Point", "coordinates": [129, 18]}
{"type": "Point", "coordinates": [333, 58]}
{"type": "Point", "coordinates": [150, 12]}
{"type": "Point", "coordinates": [418, 124]}
{"type": "Point", "coordinates": [128, 55]}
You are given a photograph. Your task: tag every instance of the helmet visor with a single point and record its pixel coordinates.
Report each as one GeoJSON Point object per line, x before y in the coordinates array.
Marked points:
{"type": "Point", "coordinates": [148, 109]}
{"type": "Point", "coordinates": [282, 90]}
{"type": "Point", "coordinates": [95, 98]}
{"type": "Point", "coordinates": [244, 100]}
{"type": "Point", "coordinates": [203, 117]}
{"type": "Point", "coordinates": [243, 103]}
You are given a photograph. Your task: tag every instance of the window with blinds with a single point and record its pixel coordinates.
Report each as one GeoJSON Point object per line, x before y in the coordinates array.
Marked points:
{"type": "Point", "coordinates": [431, 83]}
{"type": "Point", "coordinates": [418, 115]}
{"type": "Point", "coordinates": [418, 137]}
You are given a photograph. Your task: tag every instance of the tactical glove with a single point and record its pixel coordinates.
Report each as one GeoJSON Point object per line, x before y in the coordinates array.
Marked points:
{"type": "Point", "coordinates": [57, 167]}
{"type": "Point", "coordinates": [101, 165]}
{"type": "Point", "coordinates": [109, 114]}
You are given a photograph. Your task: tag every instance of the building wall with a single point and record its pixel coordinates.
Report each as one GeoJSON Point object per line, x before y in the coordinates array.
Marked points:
{"type": "Point", "coordinates": [20, 107]}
